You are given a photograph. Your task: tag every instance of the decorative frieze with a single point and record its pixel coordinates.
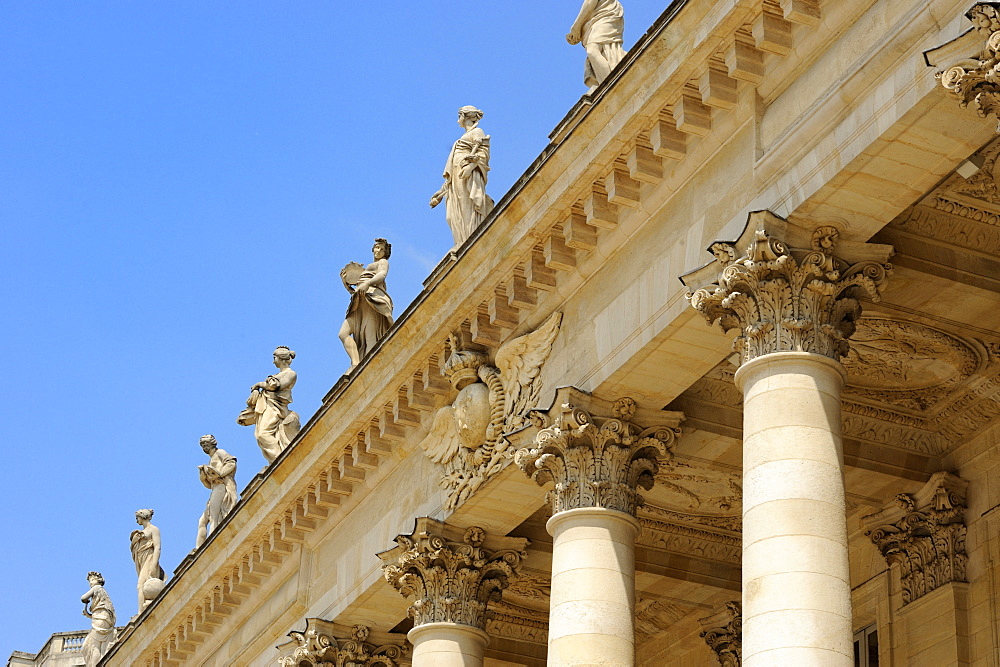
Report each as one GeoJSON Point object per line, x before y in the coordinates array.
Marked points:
{"type": "Point", "coordinates": [327, 644]}
{"type": "Point", "coordinates": [787, 299]}
{"type": "Point", "coordinates": [597, 461]}
{"type": "Point", "coordinates": [924, 533]}
{"type": "Point", "coordinates": [452, 573]}
{"type": "Point", "coordinates": [723, 632]}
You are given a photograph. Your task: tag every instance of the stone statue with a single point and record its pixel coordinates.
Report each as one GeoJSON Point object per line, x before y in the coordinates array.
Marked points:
{"type": "Point", "coordinates": [465, 178]}
{"type": "Point", "coordinates": [146, 554]}
{"type": "Point", "coordinates": [267, 407]}
{"type": "Point", "coordinates": [369, 314]}
{"type": "Point", "coordinates": [599, 27]}
{"type": "Point", "coordinates": [218, 475]}
{"type": "Point", "coordinates": [102, 620]}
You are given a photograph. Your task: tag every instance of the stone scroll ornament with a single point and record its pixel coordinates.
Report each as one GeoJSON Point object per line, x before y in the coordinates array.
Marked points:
{"type": "Point", "coordinates": [452, 574]}
{"type": "Point", "coordinates": [974, 80]}
{"type": "Point", "coordinates": [598, 461]}
{"type": "Point", "coordinates": [467, 437]}
{"type": "Point", "coordinates": [924, 533]}
{"type": "Point", "coordinates": [787, 299]}
{"type": "Point", "coordinates": [723, 632]}
{"type": "Point", "coordinates": [327, 644]}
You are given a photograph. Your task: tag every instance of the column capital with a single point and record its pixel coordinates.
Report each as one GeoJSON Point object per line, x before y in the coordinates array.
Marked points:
{"type": "Point", "coordinates": [595, 454]}
{"type": "Point", "coordinates": [787, 289]}
{"type": "Point", "coordinates": [924, 532]}
{"type": "Point", "coordinates": [967, 64]}
{"type": "Point", "coordinates": [328, 643]}
{"type": "Point", "coordinates": [453, 573]}
{"type": "Point", "coordinates": [723, 632]}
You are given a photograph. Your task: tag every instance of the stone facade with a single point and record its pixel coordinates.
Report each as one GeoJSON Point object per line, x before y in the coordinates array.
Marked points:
{"type": "Point", "coordinates": [833, 464]}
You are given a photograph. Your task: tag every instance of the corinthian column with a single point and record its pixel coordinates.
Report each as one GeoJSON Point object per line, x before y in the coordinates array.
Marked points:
{"type": "Point", "coordinates": [452, 574]}
{"type": "Point", "coordinates": [597, 463]}
{"type": "Point", "coordinates": [793, 297]}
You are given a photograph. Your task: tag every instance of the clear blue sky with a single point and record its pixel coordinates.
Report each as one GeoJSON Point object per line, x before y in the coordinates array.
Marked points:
{"type": "Point", "coordinates": [180, 184]}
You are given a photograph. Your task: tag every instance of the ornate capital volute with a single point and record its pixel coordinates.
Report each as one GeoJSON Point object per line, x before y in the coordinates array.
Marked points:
{"type": "Point", "coordinates": [595, 454]}
{"type": "Point", "coordinates": [924, 533]}
{"type": "Point", "coordinates": [788, 290]}
{"type": "Point", "coordinates": [969, 65]}
{"type": "Point", "coordinates": [453, 573]}
{"type": "Point", "coordinates": [723, 632]}
{"type": "Point", "coordinates": [327, 644]}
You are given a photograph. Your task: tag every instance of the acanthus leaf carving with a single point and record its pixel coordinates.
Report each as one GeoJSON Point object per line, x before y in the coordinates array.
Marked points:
{"type": "Point", "coordinates": [723, 632]}
{"type": "Point", "coordinates": [785, 299]}
{"type": "Point", "coordinates": [975, 80]}
{"type": "Point", "coordinates": [468, 435]}
{"type": "Point", "coordinates": [452, 574]}
{"type": "Point", "coordinates": [597, 461]}
{"type": "Point", "coordinates": [327, 644]}
{"type": "Point", "coordinates": [924, 533]}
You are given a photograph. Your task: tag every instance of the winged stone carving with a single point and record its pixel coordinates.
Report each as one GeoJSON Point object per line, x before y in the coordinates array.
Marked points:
{"type": "Point", "coordinates": [467, 436]}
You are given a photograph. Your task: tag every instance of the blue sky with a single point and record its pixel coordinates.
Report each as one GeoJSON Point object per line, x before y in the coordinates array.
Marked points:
{"type": "Point", "coordinates": [180, 184]}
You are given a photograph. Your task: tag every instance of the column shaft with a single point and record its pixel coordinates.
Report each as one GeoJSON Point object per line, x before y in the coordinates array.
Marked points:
{"type": "Point", "coordinates": [796, 581]}
{"type": "Point", "coordinates": [448, 645]}
{"type": "Point", "coordinates": [591, 617]}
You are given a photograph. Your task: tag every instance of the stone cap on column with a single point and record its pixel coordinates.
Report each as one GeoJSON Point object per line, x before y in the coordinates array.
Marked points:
{"type": "Point", "coordinates": [723, 632]}
{"type": "Point", "coordinates": [924, 533]}
{"type": "Point", "coordinates": [453, 573]}
{"type": "Point", "coordinates": [788, 289]}
{"type": "Point", "coordinates": [594, 452]}
{"type": "Point", "coordinates": [327, 643]}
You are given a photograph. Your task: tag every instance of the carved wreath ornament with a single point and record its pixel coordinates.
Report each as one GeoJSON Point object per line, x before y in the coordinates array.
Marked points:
{"type": "Point", "coordinates": [787, 299]}
{"type": "Point", "coordinates": [597, 462]}
{"type": "Point", "coordinates": [451, 581]}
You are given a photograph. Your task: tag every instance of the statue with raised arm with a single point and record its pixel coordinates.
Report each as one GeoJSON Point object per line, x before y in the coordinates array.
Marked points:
{"type": "Point", "coordinates": [464, 189]}
{"type": "Point", "coordinates": [102, 620]}
{"type": "Point", "coordinates": [146, 554]}
{"type": "Point", "coordinates": [267, 408]}
{"type": "Point", "coordinates": [599, 28]}
{"type": "Point", "coordinates": [219, 476]}
{"type": "Point", "coordinates": [369, 315]}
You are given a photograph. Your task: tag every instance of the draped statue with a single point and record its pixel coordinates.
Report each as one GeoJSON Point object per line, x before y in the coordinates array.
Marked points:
{"type": "Point", "coordinates": [464, 189]}
{"type": "Point", "coordinates": [599, 28]}
{"type": "Point", "coordinates": [102, 620]}
{"type": "Point", "coordinates": [146, 554]}
{"type": "Point", "coordinates": [267, 408]}
{"type": "Point", "coordinates": [219, 476]}
{"type": "Point", "coordinates": [369, 315]}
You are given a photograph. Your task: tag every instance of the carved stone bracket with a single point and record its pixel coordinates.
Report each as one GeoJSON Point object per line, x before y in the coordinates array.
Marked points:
{"type": "Point", "coordinates": [788, 299]}
{"type": "Point", "coordinates": [972, 75]}
{"type": "Point", "coordinates": [924, 533]}
{"type": "Point", "coordinates": [723, 632]}
{"type": "Point", "coordinates": [327, 644]}
{"type": "Point", "coordinates": [597, 461]}
{"type": "Point", "coordinates": [452, 573]}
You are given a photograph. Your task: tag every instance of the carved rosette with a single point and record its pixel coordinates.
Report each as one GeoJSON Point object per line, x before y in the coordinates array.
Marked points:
{"type": "Point", "coordinates": [597, 461]}
{"type": "Point", "coordinates": [924, 533]}
{"type": "Point", "coordinates": [784, 299]}
{"type": "Point", "coordinates": [452, 574]}
{"type": "Point", "coordinates": [724, 634]}
{"type": "Point", "coordinates": [327, 644]}
{"type": "Point", "coordinates": [975, 81]}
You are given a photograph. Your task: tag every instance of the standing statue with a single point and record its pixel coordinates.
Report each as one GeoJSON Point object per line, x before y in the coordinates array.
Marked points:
{"type": "Point", "coordinates": [465, 178]}
{"type": "Point", "coordinates": [267, 407]}
{"type": "Point", "coordinates": [599, 27]}
{"type": "Point", "coordinates": [369, 314]}
{"type": "Point", "coordinates": [102, 620]}
{"type": "Point", "coordinates": [218, 475]}
{"type": "Point", "coordinates": [146, 554]}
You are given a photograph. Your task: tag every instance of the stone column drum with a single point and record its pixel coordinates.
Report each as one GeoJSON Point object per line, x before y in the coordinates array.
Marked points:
{"type": "Point", "coordinates": [597, 465]}
{"type": "Point", "coordinates": [452, 574]}
{"type": "Point", "coordinates": [795, 309]}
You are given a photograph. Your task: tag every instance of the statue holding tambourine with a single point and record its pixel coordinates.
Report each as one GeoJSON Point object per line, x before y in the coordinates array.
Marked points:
{"type": "Point", "coordinates": [369, 314]}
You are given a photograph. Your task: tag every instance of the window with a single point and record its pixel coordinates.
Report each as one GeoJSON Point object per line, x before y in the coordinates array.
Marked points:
{"type": "Point", "coordinates": [866, 647]}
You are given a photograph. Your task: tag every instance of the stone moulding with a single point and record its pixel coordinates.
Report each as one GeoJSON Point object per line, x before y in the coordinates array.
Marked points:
{"type": "Point", "coordinates": [723, 632]}
{"type": "Point", "coordinates": [783, 298]}
{"type": "Point", "coordinates": [924, 533]}
{"type": "Point", "coordinates": [597, 461]}
{"type": "Point", "coordinates": [453, 574]}
{"type": "Point", "coordinates": [327, 644]}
